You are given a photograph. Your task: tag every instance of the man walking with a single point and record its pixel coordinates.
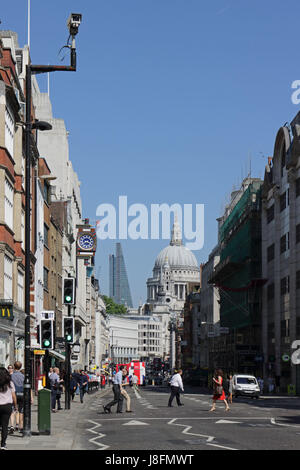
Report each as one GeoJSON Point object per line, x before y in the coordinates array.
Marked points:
{"type": "Point", "coordinates": [118, 397]}
{"type": "Point", "coordinates": [82, 382]}
{"type": "Point", "coordinates": [18, 380]}
{"type": "Point", "coordinates": [176, 387]}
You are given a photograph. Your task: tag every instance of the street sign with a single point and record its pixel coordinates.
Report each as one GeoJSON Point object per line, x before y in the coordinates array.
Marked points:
{"type": "Point", "coordinates": [47, 315]}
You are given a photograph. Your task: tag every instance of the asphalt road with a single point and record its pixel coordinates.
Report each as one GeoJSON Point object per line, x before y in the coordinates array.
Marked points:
{"type": "Point", "coordinates": [270, 423]}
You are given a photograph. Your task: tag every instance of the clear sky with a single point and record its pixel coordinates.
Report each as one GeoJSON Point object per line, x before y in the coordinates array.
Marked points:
{"type": "Point", "coordinates": [170, 101]}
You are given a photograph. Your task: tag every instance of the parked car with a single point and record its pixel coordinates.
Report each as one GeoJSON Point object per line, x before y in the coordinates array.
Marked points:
{"type": "Point", "coordinates": [245, 385]}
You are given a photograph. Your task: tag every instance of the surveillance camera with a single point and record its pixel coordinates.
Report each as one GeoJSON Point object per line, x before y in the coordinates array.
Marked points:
{"type": "Point", "coordinates": [74, 22]}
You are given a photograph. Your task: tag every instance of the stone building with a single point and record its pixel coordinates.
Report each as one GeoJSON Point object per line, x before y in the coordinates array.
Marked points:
{"type": "Point", "coordinates": [281, 258]}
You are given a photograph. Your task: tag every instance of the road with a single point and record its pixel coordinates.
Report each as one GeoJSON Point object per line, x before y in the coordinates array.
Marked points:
{"type": "Point", "coordinates": [264, 424]}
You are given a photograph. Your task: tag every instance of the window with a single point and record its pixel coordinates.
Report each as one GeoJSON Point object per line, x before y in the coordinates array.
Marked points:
{"type": "Point", "coordinates": [9, 203]}
{"type": "Point", "coordinates": [285, 328]}
{"type": "Point", "coordinates": [271, 291]}
{"type": "Point", "coordinates": [21, 290]}
{"type": "Point", "coordinates": [46, 192]}
{"type": "Point", "coordinates": [282, 202]}
{"type": "Point", "coordinates": [283, 244]}
{"type": "Point", "coordinates": [46, 278]}
{"type": "Point", "coordinates": [284, 285]}
{"type": "Point", "coordinates": [8, 278]}
{"type": "Point", "coordinates": [23, 229]}
{"type": "Point", "coordinates": [270, 214]}
{"type": "Point", "coordinates": [46, 235]}
{"type": "Point", "coordinates": [9, 131]}
{"type": "Point", "coordinates": [271, 252]}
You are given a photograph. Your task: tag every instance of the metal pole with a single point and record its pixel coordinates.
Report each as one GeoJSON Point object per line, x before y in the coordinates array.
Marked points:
{"type": "Point", "coordinates": [68, 369]}
{"type": "Point", "coordinates": [27, 379]}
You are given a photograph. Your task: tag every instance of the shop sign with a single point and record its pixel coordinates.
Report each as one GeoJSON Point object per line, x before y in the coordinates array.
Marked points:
{"type": "Point", "coordinates": [6, 310]}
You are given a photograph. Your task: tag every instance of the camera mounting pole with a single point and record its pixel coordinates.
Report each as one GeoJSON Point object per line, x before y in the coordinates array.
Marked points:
{"type": "Point", "coordinates": [73, 24]}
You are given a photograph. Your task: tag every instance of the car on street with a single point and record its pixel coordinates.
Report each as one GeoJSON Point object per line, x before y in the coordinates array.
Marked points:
{"type": "Point", "coordinates": [246, 386]}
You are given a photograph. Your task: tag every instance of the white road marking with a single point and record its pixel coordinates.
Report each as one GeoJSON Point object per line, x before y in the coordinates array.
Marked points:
{"type": "Point", "coordinates": [209, 438]}
{"type": "Point", "coordinates": [99, 435]}
{"type": "Point", "coordinates": [285, 425]}
{"type": "Point", "coordinates": [135, 423]}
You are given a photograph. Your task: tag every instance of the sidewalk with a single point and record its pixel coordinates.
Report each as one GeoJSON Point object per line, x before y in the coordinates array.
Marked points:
{"type": "Point", "coordinates": [63, 426]}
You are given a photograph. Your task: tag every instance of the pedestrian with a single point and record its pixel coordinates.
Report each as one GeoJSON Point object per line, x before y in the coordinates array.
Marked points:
{"type": "Point", "coordinates": [261, 384]}
{"type": "Point", "coordinates": [59, 388]}
{"type": "Point", "coordinates": [219, 393]}
{"type": "Point", "coordinates": [7, 399]}
{"type": "Point", "coordinates": [54, 386]}
{"type": "Point", "coordinates": [82, 382]}
{"type": "Point", "coordinates": [118, 397]}
{"type": "Point", "coordinates": [103, 381]}
{"type": "Point", "coordinates": [176, 388]}
{"type": "Point", "coordinates": [125, 394]}
{"type": "Point", "coordinates": [230, 389]}
{"type": "Point", "coordinates": [18, 380]}
{"type": "Point", "coordinates": [73, 386]}
{"type": "Point", "coordinates": [134, 381]}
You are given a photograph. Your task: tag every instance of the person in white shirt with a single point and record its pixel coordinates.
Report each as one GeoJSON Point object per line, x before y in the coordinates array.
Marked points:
{"type": "Point", "coordinates": [176, 387]}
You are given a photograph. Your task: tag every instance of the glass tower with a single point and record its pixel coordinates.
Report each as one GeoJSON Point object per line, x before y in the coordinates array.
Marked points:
{"type": "Point", "coordinates": [119, 289]}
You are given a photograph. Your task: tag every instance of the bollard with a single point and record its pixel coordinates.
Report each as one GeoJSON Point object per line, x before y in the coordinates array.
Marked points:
{"type": "Point", "coordinates": [44, 411]}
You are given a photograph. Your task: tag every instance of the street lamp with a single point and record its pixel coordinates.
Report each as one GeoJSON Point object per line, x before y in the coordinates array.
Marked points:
{"type": "Point", "coordinates": [74, 21]}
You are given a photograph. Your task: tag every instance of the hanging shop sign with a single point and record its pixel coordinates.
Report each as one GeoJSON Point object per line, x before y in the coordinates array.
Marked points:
{"type": "Point", "coordinates": [6, 310]}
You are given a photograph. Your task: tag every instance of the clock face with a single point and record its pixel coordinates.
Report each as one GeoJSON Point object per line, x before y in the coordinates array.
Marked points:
{"type": "Point", "coordinates": [86, 242]}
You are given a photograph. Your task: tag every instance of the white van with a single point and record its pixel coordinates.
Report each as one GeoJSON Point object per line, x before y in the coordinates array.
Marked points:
{"type": "Point", "coordinates": [245, 385]}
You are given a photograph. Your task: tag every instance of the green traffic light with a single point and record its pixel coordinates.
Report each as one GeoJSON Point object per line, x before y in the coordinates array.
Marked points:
{"type": "Point", "coordinates": [46, 343]}
{"type": "Point", "coordinates": [69, 337]}
{"type": "Point", "coordinates": [68, 298]}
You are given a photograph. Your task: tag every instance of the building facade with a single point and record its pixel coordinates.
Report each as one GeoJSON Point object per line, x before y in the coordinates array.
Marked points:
{"type": "Point", "coordinates": [281, 258]}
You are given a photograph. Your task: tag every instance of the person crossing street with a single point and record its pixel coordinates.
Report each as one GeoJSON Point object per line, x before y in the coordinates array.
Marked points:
{"type": "Point", "coordinates": [176, 388]}
{"type": "Point", "coordinates": [117, 386]}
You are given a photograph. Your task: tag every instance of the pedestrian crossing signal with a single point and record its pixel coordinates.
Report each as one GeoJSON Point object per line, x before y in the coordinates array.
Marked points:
{"type": "Point", "coordinates": [47, 334]}
{"type": "Point", "coordinates": [69, 329]}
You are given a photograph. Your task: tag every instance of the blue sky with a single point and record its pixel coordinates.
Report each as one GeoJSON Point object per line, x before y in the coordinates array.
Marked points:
{"type": "Point", "coordinates": [170, 101]}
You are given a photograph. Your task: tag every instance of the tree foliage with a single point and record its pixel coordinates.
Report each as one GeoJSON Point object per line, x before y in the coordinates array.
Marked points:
{"type": "Point", "coordinates": [112, 308]}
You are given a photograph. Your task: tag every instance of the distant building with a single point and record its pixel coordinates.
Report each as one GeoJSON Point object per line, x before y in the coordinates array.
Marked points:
{"type": "Point", "coordinates": [119, 289]}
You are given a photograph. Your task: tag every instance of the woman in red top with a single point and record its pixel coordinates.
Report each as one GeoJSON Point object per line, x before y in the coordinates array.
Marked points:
{"type": "Point", "coordinates": [219, 393]}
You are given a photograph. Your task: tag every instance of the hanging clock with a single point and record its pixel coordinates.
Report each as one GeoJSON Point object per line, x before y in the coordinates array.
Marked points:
{"type": "Point", "coordinates": [86, 242]}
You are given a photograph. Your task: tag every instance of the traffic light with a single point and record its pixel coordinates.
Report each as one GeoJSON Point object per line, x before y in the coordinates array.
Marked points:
{"type": "Point", "coordinates": [69, 329]}
{"type": "Point", "coordinates": [69, 291]}
{"type": "Point", "coordinates": [47, 334]}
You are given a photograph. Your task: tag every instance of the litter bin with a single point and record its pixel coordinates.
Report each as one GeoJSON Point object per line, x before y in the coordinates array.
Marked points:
{"type": "Point", "coordinates": [44, 411]}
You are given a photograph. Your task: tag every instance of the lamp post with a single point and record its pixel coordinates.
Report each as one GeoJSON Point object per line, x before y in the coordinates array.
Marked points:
{"type": "Point", "coordinates": [73, 25]}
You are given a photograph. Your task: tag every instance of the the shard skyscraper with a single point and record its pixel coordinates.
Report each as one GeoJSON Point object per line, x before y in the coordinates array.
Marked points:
{"type": "Point", "coordinates": [119, 289]}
